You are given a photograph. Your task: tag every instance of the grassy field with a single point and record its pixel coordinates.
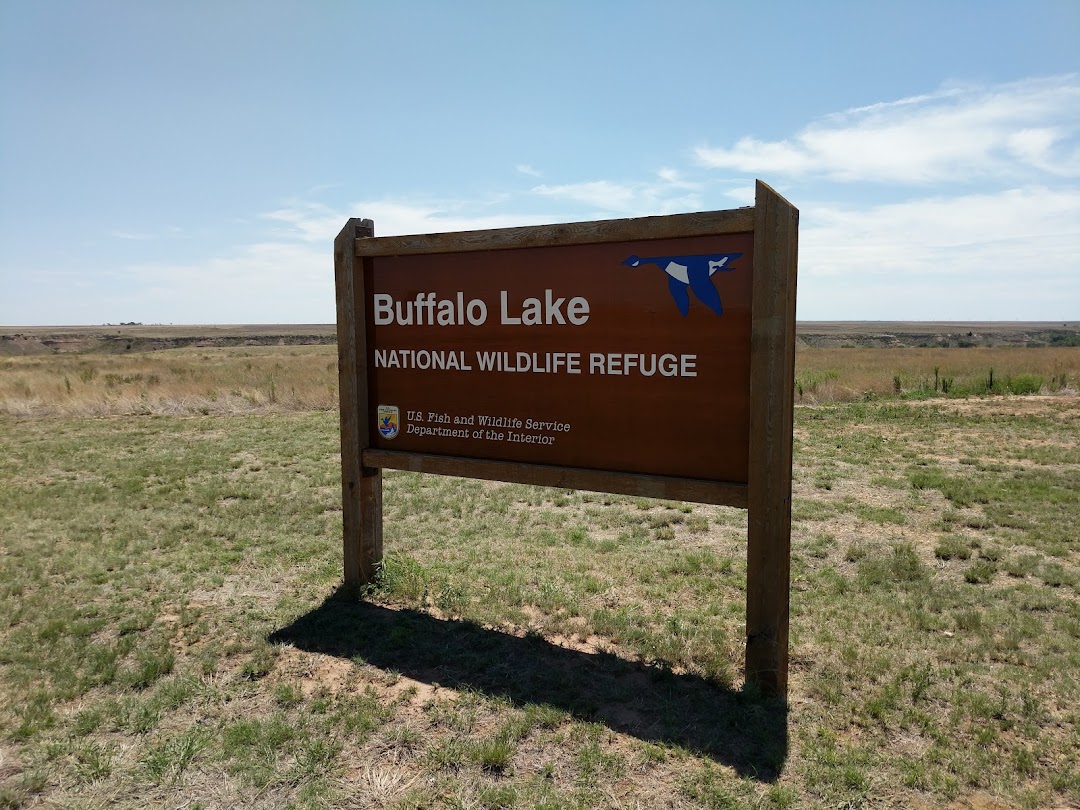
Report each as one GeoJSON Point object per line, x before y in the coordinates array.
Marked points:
{"type": "Point", "coordinates": [254, 379]}
{"type": "Point", "coordinates": [847, 375]}
{"type": "Point", "coordinates": [171, 634]}
{"type": "Point", "coordinates": [175, 381]}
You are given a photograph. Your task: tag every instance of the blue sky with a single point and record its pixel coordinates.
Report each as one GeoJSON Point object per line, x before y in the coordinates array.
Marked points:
{"type": "Point", "coordinates": [191, 162]}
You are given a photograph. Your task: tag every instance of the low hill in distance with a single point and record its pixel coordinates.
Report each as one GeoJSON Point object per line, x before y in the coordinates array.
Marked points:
{"type": "Point", "coordinates": [931, 334]}
{"type": "Point", "coordinates": [121, 339]}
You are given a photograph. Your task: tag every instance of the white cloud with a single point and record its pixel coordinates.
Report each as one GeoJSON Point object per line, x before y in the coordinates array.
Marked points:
{"type": "Point", "coordinates": [525, 168]}
{"type": "Point", "coordinates": [942, 299]}
{"type": "Point", "coordinates": [674, 179]}
{"type": "Point", "coordinates": [1034, 146]}
{"type": "Point", "coordinates": [288, 277]}
{"type": "Point", "coordinates": [311, 222]}
{"type": "Point", "coordinates": [266, 282]}
{"type": "Point", "coordinates": [992, 230]}
{"type": "Point", "coordinates": [319, 188]}
{"type": "Point", "coordinates": [1003, 254]}
{"type": "Point", "coordinates": [669, 193]}
{"type": "Point", "coordinates": [1009, 131]}
{"type": "Point", "coordinates": [1011, 254]}
{"type": "Point", "coordinates": [743, 195]}
{"type": "Point", "coordinates": [131, 236]}
{"type": "Point", "coordinates": [1007, 247]}
{"type": "Point", "coordinates": [601, 194]}
{"type": "Point", "coordinates": [393, 218]}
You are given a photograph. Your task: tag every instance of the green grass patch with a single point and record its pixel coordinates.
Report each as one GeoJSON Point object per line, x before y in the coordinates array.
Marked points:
{"type": "Point", "coordinates": [171, 630]}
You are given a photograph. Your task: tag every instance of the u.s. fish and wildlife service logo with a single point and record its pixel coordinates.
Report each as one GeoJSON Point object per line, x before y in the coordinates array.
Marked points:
{"type": "Point", "coordinates": [389, 421]}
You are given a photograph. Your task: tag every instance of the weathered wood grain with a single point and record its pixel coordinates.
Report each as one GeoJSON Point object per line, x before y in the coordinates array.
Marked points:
{"type": "Point", "coordinates": [645, 486]}
{"type": "Point", "coordinates": [361, 487]}
{"type": "Point", "coordinates": [772, 383]}
{"type": "Point", "coordinates": [707, 223]}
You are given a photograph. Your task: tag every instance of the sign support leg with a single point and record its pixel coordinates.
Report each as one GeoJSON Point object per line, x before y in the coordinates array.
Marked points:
{"type": "Point", "coordinates": [772, 384]}
{"type": "Point", "coordinates": [361, 487]}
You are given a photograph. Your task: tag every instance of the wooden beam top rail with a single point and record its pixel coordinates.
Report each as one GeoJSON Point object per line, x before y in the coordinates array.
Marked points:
{"type": "Point", "coordinates": [706, 223]}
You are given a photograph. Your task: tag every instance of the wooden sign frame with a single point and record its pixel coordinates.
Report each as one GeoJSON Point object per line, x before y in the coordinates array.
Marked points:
{"type": "Point", "coordinates": [774, 223]}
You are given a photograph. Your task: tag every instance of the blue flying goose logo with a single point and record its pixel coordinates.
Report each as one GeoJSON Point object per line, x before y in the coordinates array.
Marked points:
{"type": "Point", "coordinates": [687, 273]}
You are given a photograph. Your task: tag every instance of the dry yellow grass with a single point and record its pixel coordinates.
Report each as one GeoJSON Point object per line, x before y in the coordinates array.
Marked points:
{"type": "Point", "coordinates": [304, 378]}
{"type": "Point", "coordinates": [203, 380]}
{"type": "Point", "coordinates": [844, 375]}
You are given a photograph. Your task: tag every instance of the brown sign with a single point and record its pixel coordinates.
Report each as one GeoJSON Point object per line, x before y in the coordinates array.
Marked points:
{"type": "Point", "coordinates": [630, 356]}
{"type": "Point", "coordinates": [653, 357]}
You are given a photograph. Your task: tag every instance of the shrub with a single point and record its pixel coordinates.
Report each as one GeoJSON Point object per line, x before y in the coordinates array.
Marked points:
{"type": "Point", "coordinates": [980, 572]}
{"type": "Point", "coordinates": [1023, 384]}
{"type": "Point", "coordinates": [952, 547]}
{"type": "Point", "coordinates": [901, 566]}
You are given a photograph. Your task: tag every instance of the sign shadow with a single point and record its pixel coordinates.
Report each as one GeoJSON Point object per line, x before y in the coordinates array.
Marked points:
{"type": "Point", "coordinates": [740, 729]}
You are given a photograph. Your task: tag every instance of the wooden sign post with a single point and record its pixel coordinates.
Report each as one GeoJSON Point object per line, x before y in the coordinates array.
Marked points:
{"type": "Point", "coordinates": [650, 357]}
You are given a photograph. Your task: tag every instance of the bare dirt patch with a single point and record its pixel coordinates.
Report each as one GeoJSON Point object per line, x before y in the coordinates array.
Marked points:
{"type": "Point", "coordinates": [1061, 406]}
